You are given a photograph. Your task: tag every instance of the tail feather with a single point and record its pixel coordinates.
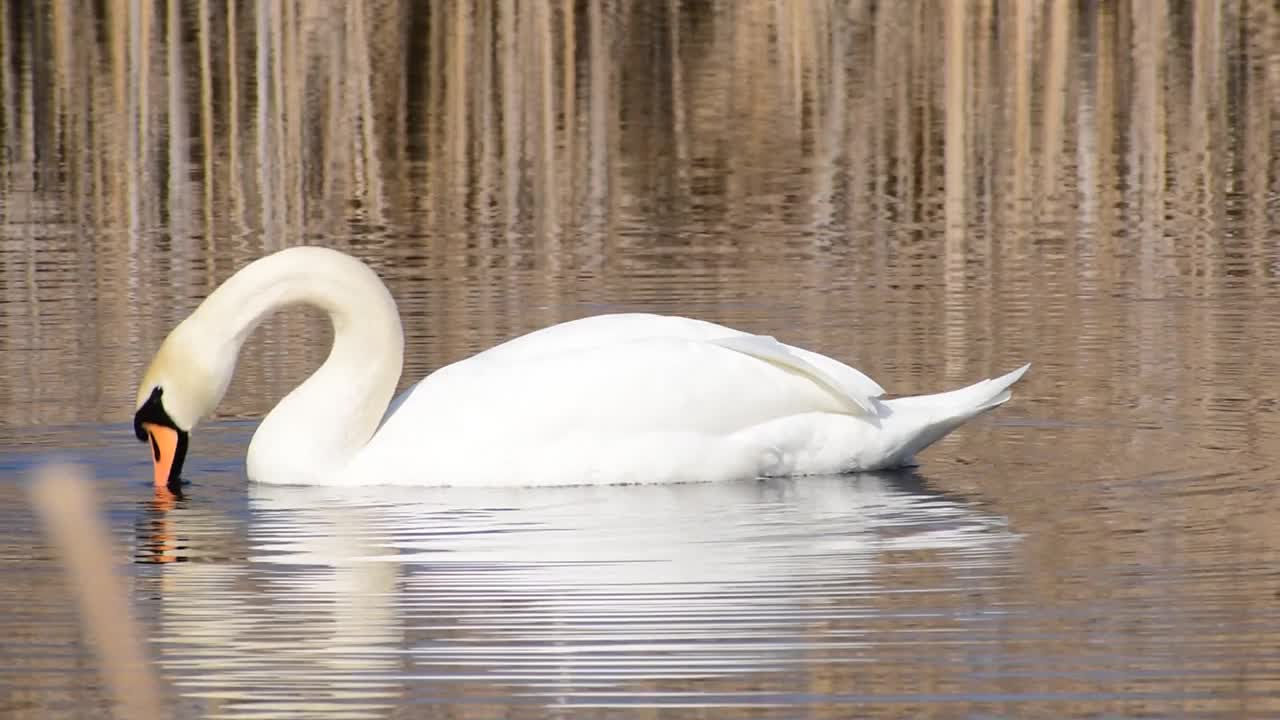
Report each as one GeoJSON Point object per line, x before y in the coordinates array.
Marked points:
{"type": "Point", "coordinates": [917, 422]}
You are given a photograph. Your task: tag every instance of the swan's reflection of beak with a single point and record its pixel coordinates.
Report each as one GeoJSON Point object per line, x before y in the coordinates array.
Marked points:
{"type": "Point", "coordinates": [159, 541]}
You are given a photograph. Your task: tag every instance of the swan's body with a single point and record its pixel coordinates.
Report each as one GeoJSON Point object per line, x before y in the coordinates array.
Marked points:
{"type": "Point", "coordinates": [610, 399]}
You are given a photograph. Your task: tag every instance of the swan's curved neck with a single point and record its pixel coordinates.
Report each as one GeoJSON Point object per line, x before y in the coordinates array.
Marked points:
{"type": "Point", "coordinates": [318, 426]}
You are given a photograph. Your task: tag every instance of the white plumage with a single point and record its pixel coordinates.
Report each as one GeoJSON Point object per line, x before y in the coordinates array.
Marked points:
{"type": "Point", "coordinates": [630, 398]}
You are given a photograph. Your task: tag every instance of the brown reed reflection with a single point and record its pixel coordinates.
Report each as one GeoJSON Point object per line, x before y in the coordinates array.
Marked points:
{"type": "Point", "coordinates": [196, 135]}
{"type": "Point", "coordinates": [306, 118]}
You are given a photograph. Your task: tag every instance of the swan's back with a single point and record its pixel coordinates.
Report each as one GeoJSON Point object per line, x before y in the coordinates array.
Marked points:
{"type": "Point", "coordinates": [633, 399]}
{"type": "Point", "coordinates": [604, 330]}
{"type": "Point", "coordinates": [617, 398]}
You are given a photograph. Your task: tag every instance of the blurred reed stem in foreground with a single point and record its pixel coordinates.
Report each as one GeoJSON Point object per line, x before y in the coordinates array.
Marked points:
{"type": "Point", "coordinates": [65, 502]}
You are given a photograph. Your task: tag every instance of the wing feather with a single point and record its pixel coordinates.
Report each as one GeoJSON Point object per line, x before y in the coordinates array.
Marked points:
{"type": "Point", "coordinates": [852, 393]}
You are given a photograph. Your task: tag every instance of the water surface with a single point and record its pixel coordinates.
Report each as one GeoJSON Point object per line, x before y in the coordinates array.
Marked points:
{"type": "Point", "coordinates": [933, 194]}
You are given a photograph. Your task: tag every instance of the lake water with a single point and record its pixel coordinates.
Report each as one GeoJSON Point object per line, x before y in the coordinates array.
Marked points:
{"type": "Point", "coordinates": [934, 197]}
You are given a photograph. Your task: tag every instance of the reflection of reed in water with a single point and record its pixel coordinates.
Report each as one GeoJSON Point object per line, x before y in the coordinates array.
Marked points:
{"type": "Point", "coordinates": [545, 152]}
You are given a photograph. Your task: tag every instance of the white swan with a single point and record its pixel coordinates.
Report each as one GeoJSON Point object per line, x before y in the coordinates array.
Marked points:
{"type": "Point", "coordinates": [610, 399]}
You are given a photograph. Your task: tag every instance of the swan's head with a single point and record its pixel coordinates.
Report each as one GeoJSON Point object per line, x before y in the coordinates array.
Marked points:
{"type": "Point", "coordinates": [184, 384]}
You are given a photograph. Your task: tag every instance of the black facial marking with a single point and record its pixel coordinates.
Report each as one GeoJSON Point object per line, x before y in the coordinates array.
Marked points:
{"type": "Point", "coordinates": [153, 412]}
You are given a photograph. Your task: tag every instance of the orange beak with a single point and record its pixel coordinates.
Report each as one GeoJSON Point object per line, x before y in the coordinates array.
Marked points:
{"type": "Point", "coordinates": [164, 448]}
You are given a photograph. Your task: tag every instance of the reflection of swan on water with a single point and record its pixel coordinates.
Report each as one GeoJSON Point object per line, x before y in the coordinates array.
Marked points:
{"type": "Point", "coordinates": [350, 595]}
{"type": "Point", "coordinates": [315, 641]}
{"type": "Point", "coordinates": [696, 532]}
{"type": "Point", "coordinates": [564, 586]}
